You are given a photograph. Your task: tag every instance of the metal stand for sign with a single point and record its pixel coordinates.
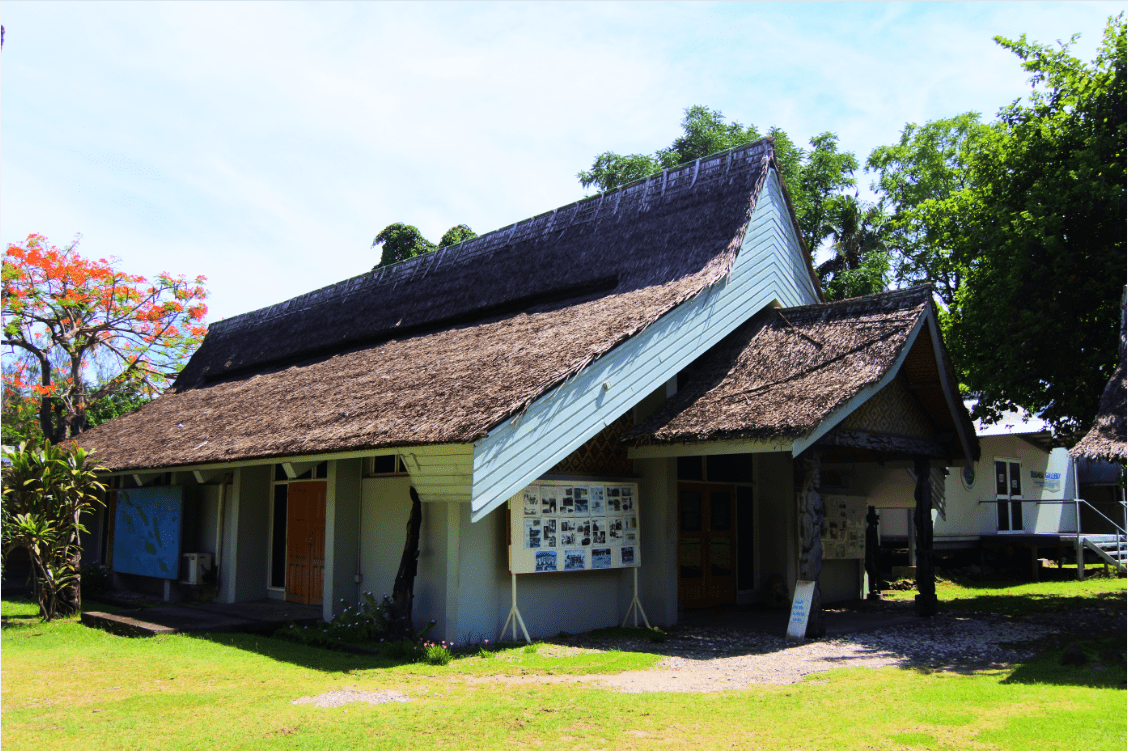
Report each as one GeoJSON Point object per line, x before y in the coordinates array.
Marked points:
{"type": "Point", "coordinates": [515, 614]}
{"type": "Point", "coordinates": [636, 606]}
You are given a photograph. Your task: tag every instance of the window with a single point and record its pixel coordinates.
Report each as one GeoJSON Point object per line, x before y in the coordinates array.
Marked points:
{"type": "Point", "coordinates": [1008, 494]}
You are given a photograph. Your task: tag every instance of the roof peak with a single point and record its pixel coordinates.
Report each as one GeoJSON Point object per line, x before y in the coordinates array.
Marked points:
{"type": "Point", "coordinates": [638, 196]}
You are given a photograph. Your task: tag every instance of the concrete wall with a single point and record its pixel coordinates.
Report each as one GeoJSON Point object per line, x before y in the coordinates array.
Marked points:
{"type": "Point", "coordinates": [778, 536]}
{"type": "Point", "coordinates": [658, 530]}
{"type": "Point", "coordinates": [342, 535]}
{"type": "Point", "coordinates": [246, 532]}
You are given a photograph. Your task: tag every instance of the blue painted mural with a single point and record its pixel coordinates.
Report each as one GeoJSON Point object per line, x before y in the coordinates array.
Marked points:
{"type": "Point", "coordinates": [147, 531]}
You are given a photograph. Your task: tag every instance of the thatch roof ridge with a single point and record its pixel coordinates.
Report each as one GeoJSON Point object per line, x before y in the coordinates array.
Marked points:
{"type": "Point", "coordinates": [670, 183]}
{"type": "Point", "coordinates": [633, 237]}
{"type": "Point", "coordinates": [783, 372]}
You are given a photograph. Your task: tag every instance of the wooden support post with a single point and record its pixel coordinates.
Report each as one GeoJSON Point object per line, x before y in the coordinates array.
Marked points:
{"type": "Point", "coordinates": [922, 518]}
{"type": "Point", "coordinates": [873, 575]}
{"type": "Point", "coordinates": [811, 513]}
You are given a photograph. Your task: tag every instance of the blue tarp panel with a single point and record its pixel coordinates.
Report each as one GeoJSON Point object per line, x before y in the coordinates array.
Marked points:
{"type": "Point", "coordinates": [147, 531]}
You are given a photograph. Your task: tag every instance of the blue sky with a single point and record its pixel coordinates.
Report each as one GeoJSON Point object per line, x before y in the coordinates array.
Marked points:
{"type": "Point", "coordinates": [265, 144]}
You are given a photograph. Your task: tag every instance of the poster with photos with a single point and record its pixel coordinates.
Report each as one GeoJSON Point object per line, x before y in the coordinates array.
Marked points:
{"type": "Point", "coordinates": [566, 526]}
{"type": "Point", "coordinates": [844, 528]}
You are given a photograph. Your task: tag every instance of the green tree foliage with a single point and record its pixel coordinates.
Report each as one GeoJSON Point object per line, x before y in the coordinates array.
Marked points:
{"type": "Point", "coordinates": [459, 233]}
{"type": "Point", "coordinates": [915, 177]}
{"type": "Point", "coordinates": [861, 261]}
{"type": "Point", "coordinates": [814, 176]}
{"type": "Point", "coordinates": [1021, 225]}
{"type": "Point", "coordinates": [402, 241]}
{"type": "Point", "coordinates": [46, 489]}
{"type": "Point", "coordinates": [1043, 228]}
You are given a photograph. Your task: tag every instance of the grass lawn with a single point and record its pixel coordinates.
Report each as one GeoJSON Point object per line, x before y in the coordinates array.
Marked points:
{"type": "Point", "coordinates": [66, 686]}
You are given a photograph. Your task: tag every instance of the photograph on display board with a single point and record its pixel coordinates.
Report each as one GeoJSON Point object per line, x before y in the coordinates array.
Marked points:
{"type": "Point", "coordinates": [630, 536]}
{"type": "Point", "coordinates": [583, 529]}
{"type": "Point", "coordinates": [598, 531]}
{"type": "Point", "coordinates": [615, 531]}
{"type": "Point", "coordinates": [574, 560]}
{"type": "Point", "coordinates": [567, 503]}
{"type": "Point", "coordinates": [600, 558]}
{"type": "Point", "coordinates": [626, 556]}
{"type": "Point", "coordinates": [595, 503]}
{"type": "Point", "coordinates": [627, 499]}
{"type": "Point", "coordinates": [548, 533]}
{"type": "Point", "coordinates": [546, 560]}
{"type": "Point", "coordinates": [532, 533]}
{"type": "Point", "coordinates": [532, 500]}
{"type": "Point", "coordinates": [548, 501]}
{"type": "Point", "coordinates": [580, 497]}
{"type": "Point", "coordinates": [567, 532]}
{"type": "Point", "coordinates": [614, 503]}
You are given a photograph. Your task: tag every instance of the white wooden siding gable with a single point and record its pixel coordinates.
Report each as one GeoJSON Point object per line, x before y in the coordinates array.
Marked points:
{"type": "Point", "coordinates": [769, 270]}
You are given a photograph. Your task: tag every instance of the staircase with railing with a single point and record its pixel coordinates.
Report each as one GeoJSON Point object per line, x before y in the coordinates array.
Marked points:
{"type": "Point", "coordinates": [1109, 549]}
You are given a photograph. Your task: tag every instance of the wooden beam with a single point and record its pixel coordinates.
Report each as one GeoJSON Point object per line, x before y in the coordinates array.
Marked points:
{"type": "Point", "coordinates": [925, 600]}
{"type": "Point", "coordinates": [887, 443]}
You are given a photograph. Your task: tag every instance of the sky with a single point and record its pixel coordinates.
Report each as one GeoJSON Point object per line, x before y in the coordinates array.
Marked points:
{"type": "Point", "coordinates": [265, 144]}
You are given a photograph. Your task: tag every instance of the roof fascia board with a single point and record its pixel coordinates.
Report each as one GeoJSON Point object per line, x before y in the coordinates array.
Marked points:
{"type": "Point", "coordinates": [707, 448]}
{"type": "Point", "coordinates": [860, 398]}
{"type": "Point", "coordinates": [438, 449]}
{"type": "Point", "coordinates": [955, 403]}
{"type": "Point", "coordinates": [770, 269]}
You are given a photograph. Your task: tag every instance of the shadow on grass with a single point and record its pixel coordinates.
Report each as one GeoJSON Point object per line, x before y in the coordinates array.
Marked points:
{"type": "Point", "coordinates": [1029, 603]}
{"type": "Point", "coordinates": [1105, 668]}
{"type": "Point", "coordinates": [304, 655]}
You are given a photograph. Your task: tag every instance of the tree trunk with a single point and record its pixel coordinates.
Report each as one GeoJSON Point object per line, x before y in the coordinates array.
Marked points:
{"type": "Point", "coordinates": [872, 545]}
{"type": "Point", "coordinates": [403, 591]}
{"type": "Point", "coordinates": [922, 519]}
{"type": "Point", "coordinates": [811, 513]}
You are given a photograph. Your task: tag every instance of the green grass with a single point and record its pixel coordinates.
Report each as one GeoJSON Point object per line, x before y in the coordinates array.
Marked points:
{"type": "Point", "coordinates": [1007, 597]}
{"type": "Point", "coordinates": [66, 686]}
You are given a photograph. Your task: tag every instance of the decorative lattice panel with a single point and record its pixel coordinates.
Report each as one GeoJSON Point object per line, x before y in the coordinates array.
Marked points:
{"type": "Point", "coordinates": [602, 455]}
{"type": "Point", "coordinates": [892, 410]}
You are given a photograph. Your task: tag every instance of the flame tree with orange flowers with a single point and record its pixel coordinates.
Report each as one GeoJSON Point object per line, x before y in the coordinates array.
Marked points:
{"type": "Point", "coordinates": [79, 333]}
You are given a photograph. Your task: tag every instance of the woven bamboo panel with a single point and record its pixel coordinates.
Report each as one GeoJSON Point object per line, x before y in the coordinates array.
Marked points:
{"type": "Point", "coordinates": [602, 455]}
{"type": "Point", "coordinates": [895, 410]}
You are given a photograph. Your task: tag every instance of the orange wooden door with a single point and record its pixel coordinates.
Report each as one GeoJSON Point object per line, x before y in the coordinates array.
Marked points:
{"type": "Point", "coordinates": [305, 542]}
{"type": "Point", "coordinates": [706, 545]}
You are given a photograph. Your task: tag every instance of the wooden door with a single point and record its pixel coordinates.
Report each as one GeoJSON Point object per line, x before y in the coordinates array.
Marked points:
{"type": "Point", "coordinates": [706, 545]}
{"type": "Point", "coordinates": [305, 542]}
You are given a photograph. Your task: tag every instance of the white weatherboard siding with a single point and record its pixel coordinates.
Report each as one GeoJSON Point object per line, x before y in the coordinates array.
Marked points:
{"type": "Point", "coordinates": [769, 270]}
{"type": "Point", "coordinates": [440, 473]}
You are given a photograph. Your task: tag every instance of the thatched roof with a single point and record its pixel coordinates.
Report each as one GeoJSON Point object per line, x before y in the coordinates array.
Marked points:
{"type": "Point", "coordinates": [1106, 440]}
{"type": "Point", "coordinates": [441, 348]}
{"type": "Point", "coordinates": [779, 376]}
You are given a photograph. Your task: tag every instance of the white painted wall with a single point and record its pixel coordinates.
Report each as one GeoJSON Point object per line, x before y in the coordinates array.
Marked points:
{"type": "Point", "coordinates": [243, 566]}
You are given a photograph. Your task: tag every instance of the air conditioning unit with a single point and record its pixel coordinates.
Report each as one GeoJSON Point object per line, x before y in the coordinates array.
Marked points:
{"type": "Point", "coordinates": [194, 568]}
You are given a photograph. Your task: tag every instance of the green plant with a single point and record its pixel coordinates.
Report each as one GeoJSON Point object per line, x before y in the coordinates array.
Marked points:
{"type": "Point", "coordinates": [436, 654]}
{"type": "Point", "coordinates": [45, 491]}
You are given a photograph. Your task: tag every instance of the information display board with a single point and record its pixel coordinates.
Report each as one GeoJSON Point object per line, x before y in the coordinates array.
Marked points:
{"type": "Point", "coordinates": [573, 526]}
{"type": "Point", "coordinates": [844, 527]}
{"type": "Point", "coordinates": [147, 531]}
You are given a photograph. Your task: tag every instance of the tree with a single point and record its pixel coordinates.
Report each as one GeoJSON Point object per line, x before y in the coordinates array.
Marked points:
{"type": "Point", "coordinates": [861, 261]}
{"type": "Point", "coordinates": [65, 315]}
{"type": "Point", "coordinates": [402, 241]}
{"type": "Point", "coordinates": [1041, 229]}
{"type": "Point", "coordinates": [929, 165]}
{"type": "Point", "coordinates": [813, 176]}
{"type": "Point", "coordinates": [46, 490]}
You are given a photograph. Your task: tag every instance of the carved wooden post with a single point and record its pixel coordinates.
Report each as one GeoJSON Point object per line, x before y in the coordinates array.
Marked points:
{"type": "Point", "coordinates": [872, 544]}
{"type": "Point", "coordinates": [403, 591]}
{"type": "Point", "coordinates": [922, 518]}
{"type": "Point", "coordinates": [811, 513]}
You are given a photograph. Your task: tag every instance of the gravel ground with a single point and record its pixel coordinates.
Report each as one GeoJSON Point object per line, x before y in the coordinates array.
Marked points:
{"type": "Point", "coordinates": [708, 658]}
